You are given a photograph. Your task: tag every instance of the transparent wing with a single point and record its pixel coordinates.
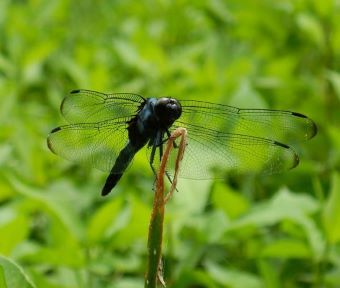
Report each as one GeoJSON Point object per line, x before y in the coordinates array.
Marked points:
{"type": "Point", "coordinates": [93, 144]}
{"type": "Point", "coordinates": [86, 106]}
{"type": "Point", "coordinates": [209, 151]}
{"type": "Point", "coordinates": [271, 124]}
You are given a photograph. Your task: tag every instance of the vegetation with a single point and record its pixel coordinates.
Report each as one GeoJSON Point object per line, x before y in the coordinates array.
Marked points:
{"type": "Point", "coordinates": [245, 231]}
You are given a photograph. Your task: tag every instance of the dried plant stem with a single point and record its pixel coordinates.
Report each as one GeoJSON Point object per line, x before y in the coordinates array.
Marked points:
{"type": "Point", "coordinates": [154, 267]}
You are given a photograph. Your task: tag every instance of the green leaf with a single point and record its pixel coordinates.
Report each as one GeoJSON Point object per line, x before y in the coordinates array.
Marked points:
{"type": "Point", "coordinates": [311, 26]}
{"type": "Point", "coordinates": [287, 206]}
{"type": "Point", "coordinates": [192, 196]}
{"type": "Point", "coordinates": [12, 276]}
{"type": "Point", "coordinates": [132, 225]}
{"type": "Point", "coordinates": [325, 7]}
{"type": "Point", "coordinates": [331, 211]}
{"type": "Point", "coordinates": [246, 94]}
{"type": "Point", "coordinates": [104, 218]}
{"type": "Point", "coordinates": [232, 203]}
{"type": "Point", "coordinates": [213, 233]}
{"type": "Point", "coordinates": [53, 204]}
{"type": "Point", "coordinates": [287, 248]}
{"type": "Point", "coordinates": [128, 282]}
{"type": "Point", "coordinates": [233, 278]}
{"type": "Point", "coordinates": [65, 231]}
{"type": "Point", "coordinates": [13, 230]}
{"type": "Point", "coordinates": [269, 273]}
{"type": "Point", "coordinates": [334, 78]}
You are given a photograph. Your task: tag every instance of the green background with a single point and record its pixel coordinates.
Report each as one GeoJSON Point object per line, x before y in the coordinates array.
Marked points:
{"type": "Point", "coordinates": [247, 231]}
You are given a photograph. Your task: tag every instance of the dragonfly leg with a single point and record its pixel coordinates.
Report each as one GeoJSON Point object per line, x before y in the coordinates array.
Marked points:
{"type": "Point", "coordinates": [167, 138]}
{"type": "Point", "coordinates": [161, 154]}
{"type": "Point", "coordinates": [152, 158]}
{"type": "Point", "coordinates": [156, 144]}
{"type": "Point", "coordinates": [169, 135]}
{"type": "Point", "coordinates": [160, 151]}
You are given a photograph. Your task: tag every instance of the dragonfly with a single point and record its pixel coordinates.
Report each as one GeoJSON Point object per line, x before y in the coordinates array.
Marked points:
{"type": "Point", "coordinates": [106, 131]}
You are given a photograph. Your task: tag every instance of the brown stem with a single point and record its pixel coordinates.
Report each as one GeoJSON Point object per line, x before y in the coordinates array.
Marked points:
{"type": "Point", "coordinates": [154, 267]}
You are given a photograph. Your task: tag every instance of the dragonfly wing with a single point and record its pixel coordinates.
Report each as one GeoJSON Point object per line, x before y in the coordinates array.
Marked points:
{"type": "Point", "coordinates": [93, 144]}
{"type": "Point", "coordinates": [272, 124]}
{"type": "Point", "coordinates": [86, 106]}
{"type": "Point", "coordinates": [210, 151]}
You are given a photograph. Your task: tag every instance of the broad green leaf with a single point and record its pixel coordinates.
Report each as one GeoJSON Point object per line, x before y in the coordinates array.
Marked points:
{"type": "Point", "coordinates": [12, 276]}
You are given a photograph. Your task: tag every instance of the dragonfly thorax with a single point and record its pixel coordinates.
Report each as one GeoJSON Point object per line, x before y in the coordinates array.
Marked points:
{"type": "Point", "coordinates": [155, 116]}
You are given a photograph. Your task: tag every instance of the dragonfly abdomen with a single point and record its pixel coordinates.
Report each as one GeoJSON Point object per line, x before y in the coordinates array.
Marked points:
{"type": "Point", "coordinates": [122, 162]}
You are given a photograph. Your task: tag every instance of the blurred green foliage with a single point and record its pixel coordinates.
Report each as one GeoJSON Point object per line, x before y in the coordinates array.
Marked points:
{"type": "Point", "coordinates": [251, 231]}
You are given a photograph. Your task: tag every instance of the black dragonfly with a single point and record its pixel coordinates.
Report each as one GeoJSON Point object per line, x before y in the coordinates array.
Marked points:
{"type": "Point", "coordinates": [107, 130]}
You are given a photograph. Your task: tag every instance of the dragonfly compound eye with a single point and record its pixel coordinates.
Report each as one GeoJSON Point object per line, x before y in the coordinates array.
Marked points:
{"type": "Point", "coordinates": [167, 110]}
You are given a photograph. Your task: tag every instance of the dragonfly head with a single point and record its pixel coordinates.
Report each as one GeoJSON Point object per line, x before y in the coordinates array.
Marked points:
{"type": "Point", "coordinates": [167, 110]}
